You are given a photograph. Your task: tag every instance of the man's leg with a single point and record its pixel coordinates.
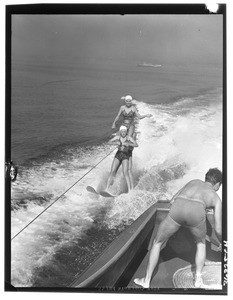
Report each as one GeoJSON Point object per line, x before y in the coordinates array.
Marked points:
{"type": "Point", "coordinates": [166, 229]}
{"type": "Point", "coordinates": [199, 234]}
{"type": "Point", "coordinates": [153, 260]}
{"type": "Point", "coordinates": [199, 261]}
{"type": "Point", "coordinates": [200, 257]}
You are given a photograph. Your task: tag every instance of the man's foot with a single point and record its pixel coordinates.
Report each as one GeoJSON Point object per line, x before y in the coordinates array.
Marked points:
{"type": "Point", "coordinates": [142, 282]}
{"type": "Point", "coordinates": [198, 282]}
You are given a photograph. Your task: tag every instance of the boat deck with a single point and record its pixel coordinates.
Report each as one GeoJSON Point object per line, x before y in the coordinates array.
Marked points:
{"type": "Point", "coordinates": [177, 254]}
{"type": "Point", "coordinates": [164, 273]}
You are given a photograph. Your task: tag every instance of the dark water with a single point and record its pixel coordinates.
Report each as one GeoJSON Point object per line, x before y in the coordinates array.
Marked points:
{"type": "Point", "coordinates": [54, 105]}
{"type": "Point", "coordinates": [61, 121]}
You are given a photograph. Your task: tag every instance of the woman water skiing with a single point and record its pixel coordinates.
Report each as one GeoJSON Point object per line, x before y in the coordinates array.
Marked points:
{"type": "Point", "coordinates": [122, 156]}
{"type": "Point", "coordinates": [129, 113]}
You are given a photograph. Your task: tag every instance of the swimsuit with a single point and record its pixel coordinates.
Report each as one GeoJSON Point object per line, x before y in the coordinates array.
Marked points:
{"type": "Point", "coordinates": [185, 212]}
{"type": "Point", "coordinates": [123, 152]}
{"type": "Point", "coordinates": [128, 118]}
{"type": "Point", "coordinates": [121, 155]}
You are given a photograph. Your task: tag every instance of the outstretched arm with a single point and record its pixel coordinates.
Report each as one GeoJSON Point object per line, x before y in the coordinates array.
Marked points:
{"type": "Point", "coordinates": [142, 116]}
{"type": "Point", "coordinates": [116, 119]}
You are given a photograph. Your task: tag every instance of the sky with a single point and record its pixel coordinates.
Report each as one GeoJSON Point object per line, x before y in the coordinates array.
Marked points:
{"type": "Point", "coordinates": [153, 38]}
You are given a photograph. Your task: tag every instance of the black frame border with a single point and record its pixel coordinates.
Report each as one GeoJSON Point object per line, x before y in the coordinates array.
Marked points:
{"type": "Point", "coordinates": [122, 9]}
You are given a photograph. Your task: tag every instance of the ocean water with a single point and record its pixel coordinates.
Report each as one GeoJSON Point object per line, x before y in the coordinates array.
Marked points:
{"type": "Point", "coordinates": [61, 121]}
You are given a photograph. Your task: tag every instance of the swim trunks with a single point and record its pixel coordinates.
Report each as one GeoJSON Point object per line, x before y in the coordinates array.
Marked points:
{"type": "Point", "coordinates": [188, 213]}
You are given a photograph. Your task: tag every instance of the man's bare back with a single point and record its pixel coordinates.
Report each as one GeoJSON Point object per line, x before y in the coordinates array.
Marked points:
{"type": "Point", "coordinates": [200, 191]}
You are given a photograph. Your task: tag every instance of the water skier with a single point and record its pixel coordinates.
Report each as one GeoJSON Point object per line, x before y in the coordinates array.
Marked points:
{"type": "Point", "coordinates": [122, 156]}
{"type": "Point", "coordinates": [129, 113]}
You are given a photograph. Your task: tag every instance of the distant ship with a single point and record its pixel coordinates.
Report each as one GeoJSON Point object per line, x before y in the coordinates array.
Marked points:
{"type": "Point", "coordinates": [148, 65]}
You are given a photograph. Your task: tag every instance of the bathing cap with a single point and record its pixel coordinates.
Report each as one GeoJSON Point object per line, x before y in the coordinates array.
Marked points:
{"type": "Point", "coordinates": [123, 128]}
{"type": "Point", "coordinates": [128, 97]}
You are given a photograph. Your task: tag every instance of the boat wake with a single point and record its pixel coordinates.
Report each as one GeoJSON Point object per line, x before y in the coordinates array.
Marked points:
{"type": "Point", "coordinates": [179, 143]}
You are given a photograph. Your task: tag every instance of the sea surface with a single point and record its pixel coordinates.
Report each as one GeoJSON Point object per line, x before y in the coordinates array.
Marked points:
{"type": "Point", "coordinates": [61, 123]}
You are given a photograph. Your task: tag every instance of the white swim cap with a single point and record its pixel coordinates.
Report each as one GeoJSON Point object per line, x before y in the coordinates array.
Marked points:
{"type": "Point", "coordinates": [123, 128]}
{"type": "Point", "coordinates": [128, 97]}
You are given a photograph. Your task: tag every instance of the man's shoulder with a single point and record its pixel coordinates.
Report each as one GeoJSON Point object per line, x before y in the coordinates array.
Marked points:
{"type": "Point", "coordinates": [195, 182]}
{"type": "Point", "coordinates": [198, 180]}
{"type": "Point", "coordinates": [216, 197]}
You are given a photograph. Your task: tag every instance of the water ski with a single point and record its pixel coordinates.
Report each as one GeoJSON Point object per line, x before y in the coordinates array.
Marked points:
{"type": "Point", "coordinates": [91, 190]}
{"type": "Point", "coordinates": [106, 194]}
{"type": "Point", "coordinates": [102, 193]}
